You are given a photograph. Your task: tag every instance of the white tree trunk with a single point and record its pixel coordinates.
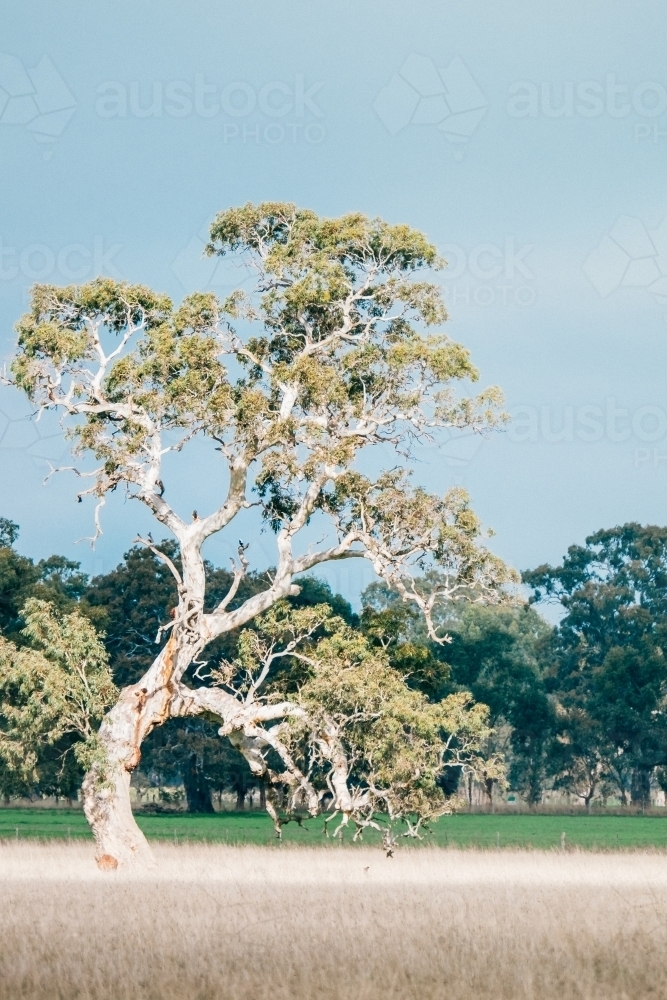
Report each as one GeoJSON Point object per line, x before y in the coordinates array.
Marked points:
{"type": "Point", "coordinates": [118, 840]}
{"type": "Point", "coordinates": [159, 696]}
{"type": "Point", "coordinates": [106, 788]}
{"type": "Point", "coordinates": [141, 707]}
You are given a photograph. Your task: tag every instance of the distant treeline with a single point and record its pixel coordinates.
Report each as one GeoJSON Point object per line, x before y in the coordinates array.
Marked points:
{"type": "Point", "coordinates": [580, 707]}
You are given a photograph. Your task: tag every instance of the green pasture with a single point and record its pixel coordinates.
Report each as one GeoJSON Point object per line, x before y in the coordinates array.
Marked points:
{"type": "Point", "coordinates": [462, 830]}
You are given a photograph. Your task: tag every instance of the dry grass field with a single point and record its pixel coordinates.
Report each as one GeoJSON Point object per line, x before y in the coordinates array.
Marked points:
{"type": "Point", "coordinates": [250, 923]}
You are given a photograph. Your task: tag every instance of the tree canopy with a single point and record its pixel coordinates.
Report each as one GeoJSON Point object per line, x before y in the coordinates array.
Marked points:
{"type": "Point", "coordinates": [338, 364]}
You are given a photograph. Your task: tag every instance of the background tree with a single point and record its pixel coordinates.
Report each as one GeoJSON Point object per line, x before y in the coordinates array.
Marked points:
{"type": "Point", "coordinates": [54, 691]}
{"type": "Point", "coordinates": [18, 576]}
{"type": "Point", "coordinates": [609, 671]}
{"type": "Point", "coordinates": [56, 579]}
{"type": "Point", "coordinates": [54, 769]}
{"type": "Point", "coordinates": [497, 653]}
{"type": "Point", "coordinates": [326, 358]}
{"type": "Point", "coordinates": [581, 753]}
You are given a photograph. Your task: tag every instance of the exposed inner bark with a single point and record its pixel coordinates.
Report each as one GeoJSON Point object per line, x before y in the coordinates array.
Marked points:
{"type": "Point", "coordinates": [106, 789]}
{"type": "Point", "coordinates": [158, 696]}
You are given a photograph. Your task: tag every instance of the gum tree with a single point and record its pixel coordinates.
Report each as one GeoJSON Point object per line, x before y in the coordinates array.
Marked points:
{"type": "Point", "coordinates": [335, 352]}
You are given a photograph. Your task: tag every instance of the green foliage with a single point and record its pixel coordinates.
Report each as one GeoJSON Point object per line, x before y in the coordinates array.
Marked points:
{"type": "Point", "coordinates": [356, 708]}
{"type": "Point", "coordinates": [336, 359]}
{"type": "Point", "coordinates": [18, 578]}
{"type": "Point", "coordinates": [315, 591]}
{"type": "Point", "coordinates": [609, 674]}
{"type": "Point", "coordinates": [497, 653]}
{"type": "Point", "coordinates": [401, 520]}
{"type": "Point", "coordinates": [54, 690]}
{"type": "Point", "coordinates": [61, 582]}
{"type": "Point", "coordinates": [399, 741]}
{"type": "Point", "coordinates": [56, 579]}
{"type": "Point", "coordinates": [392, 624]}
{"type": "Point", "coordinates": [9, 532]}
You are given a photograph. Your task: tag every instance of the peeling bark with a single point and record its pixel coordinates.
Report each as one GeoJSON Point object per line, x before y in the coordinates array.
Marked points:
{"type": "Point", "coordinates": [106, 787]}
{"type": "Point", "coordinates": [159, 696]}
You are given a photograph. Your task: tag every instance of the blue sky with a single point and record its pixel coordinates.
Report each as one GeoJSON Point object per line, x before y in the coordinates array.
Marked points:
{"type": "Point", "coordinates": [528, 140]}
